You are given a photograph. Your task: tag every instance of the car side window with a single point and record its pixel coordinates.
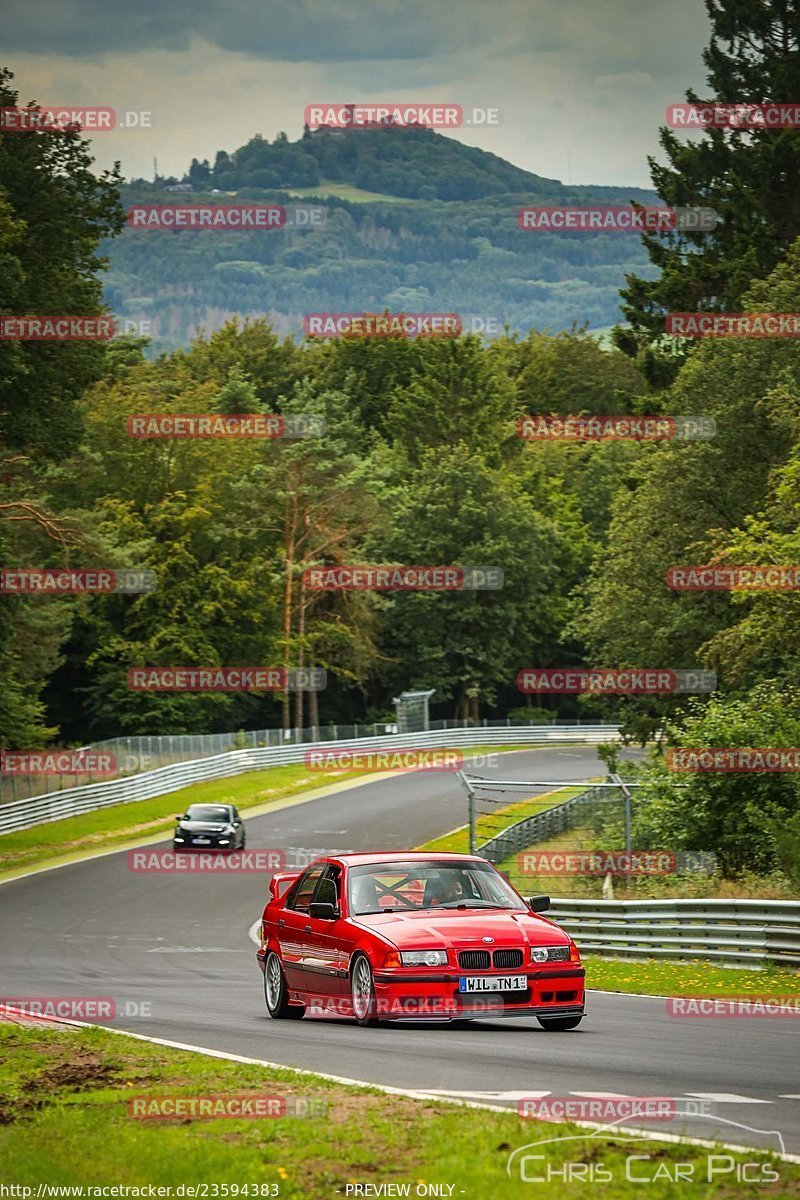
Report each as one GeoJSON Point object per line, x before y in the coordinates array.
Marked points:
{"type": "Point", "coordinates": [328, 889]}
{"type": "Point", "coordinates": [300, 896]}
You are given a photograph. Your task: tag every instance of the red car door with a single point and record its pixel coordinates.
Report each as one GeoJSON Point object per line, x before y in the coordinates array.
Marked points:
{"type": "Point", "coordinates": [294, 927]}
{"type": "Point", "coordinates": [323, 954]}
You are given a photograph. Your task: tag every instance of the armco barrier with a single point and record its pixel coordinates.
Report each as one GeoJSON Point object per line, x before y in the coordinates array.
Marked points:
{"type": "Point", "coordinates": [741, 932]}
{"type": "Point", "coordinates": [22, 814]}
{"type": "Point", "coordinates": [736, 932]}
{"type": "Point", "coordinates": [541, 826]}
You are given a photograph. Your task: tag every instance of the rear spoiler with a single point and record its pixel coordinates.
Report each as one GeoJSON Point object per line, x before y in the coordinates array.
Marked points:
{"type": "Point", "coordinates": [279, 883]}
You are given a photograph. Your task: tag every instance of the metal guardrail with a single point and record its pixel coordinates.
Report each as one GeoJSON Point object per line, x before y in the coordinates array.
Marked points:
{"type": "Point", "coordinates": [539, 827]}
{"type": "Point", "coordinates": [742, 932]}
{"type": "Point", "coordinates": [136, 754]}
{"type": "Point", "coordinates": [54, 806]}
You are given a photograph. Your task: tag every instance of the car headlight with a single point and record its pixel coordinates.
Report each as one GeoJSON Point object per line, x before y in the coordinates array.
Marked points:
{"type": "Point", "coordinates": [177, 839]}
{"type": "Point", "coordinates": [423, 958]}
{"type": "Point", "coordinates": [540, 954]}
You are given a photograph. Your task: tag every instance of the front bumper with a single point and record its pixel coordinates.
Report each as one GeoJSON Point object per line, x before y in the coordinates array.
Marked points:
{"type": "Point", "coordinates": [212, 844]}
{"type": "Point", "coordinates": [401, 994]}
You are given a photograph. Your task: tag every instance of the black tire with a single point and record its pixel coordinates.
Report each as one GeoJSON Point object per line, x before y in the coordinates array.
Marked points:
{"type": "Point", "coordinates": [244, 841]}
{"type": "Point", "coordinates": [276, 993]}
{"type": "Point", "coordinates": [560, 1024]}
{"type": "Point", "coordinates": [362, 991]}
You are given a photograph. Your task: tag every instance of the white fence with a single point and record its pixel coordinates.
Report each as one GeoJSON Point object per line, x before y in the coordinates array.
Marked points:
{"type": "Point", "coordinates": [741, 932]}
{"type": "Point", "coordinates": [22, 814]}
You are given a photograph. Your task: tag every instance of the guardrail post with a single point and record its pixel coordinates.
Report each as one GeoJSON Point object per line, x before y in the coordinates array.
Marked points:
{"type": "Point", "coordinates": [625, 792]}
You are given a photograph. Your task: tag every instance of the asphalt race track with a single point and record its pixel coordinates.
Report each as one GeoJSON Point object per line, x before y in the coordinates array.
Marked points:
{"type": "Point", "coordinates": [179, 943]}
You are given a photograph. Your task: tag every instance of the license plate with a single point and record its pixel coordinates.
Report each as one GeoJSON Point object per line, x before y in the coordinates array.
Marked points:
{"type": "Point", "coordinates": [202, 841]}
{"type": "Point", "coordinates": [493, 983]}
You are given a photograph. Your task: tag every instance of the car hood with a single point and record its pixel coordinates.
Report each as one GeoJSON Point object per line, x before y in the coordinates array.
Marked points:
{"type": "Point", "coordinates": [429, 929]}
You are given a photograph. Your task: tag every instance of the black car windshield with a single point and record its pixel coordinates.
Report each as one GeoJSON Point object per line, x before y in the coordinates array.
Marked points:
{"type": "Point", "coordinates": [405, 886]}
{"type": "Point", "coordinates": [209, 812]}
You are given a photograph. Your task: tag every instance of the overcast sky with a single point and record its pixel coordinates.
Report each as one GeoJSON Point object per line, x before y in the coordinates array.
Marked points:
{"type": "Point", "coordinates": [583, 84]}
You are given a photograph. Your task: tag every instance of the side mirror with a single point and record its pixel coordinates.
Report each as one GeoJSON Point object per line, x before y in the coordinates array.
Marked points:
{"type": "Point", "coordinates": [178, 818]}
{"type": "Point", "coordinates": [539, 903]}
{"type": "Point", "coordinates": [323, 911]}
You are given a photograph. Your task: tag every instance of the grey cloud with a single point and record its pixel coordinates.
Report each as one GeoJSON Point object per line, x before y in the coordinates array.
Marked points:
{"type": "Point", "coordinates": [298, 31]}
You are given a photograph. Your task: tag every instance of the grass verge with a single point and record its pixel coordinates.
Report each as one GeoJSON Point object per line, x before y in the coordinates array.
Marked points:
{"type": "Point", "coordinates": [66, 1095]}
{"type": "Point", "coordinates": [695, 978]}
{"type": "Point", "coordinates": [650, 976]}
{"type": "Point", "coordinates": [488, 825]}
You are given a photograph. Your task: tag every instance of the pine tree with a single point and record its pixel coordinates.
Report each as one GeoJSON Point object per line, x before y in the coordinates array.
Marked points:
{"type": "Point", "coordinates": [750, 177]}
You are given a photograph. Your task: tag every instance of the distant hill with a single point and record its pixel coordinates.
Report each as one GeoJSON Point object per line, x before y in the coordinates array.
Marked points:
{"type": "Point", "coordinates": [409, 163]}
{"type": "Point", "coordinates": [416, 221]}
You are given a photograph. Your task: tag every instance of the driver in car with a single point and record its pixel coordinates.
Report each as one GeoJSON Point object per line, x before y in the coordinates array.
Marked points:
{"type": "Point", "coordinates": [445, 888]}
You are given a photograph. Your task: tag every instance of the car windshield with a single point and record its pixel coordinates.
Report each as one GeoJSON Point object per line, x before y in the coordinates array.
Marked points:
{"type": "Point", "coordinates": [208, 812]}
{"type": "Point", "coordinates": [403, 886]}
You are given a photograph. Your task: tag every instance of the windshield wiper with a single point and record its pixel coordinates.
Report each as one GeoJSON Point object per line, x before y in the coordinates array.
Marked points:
{"type": "Point", "coordinates": [373, 912]}
{"type": "Point", "coordinates": [468, 904]}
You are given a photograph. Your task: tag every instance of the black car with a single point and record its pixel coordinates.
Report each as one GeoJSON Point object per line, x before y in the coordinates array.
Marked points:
{"type": "Point", "coordinates": [209, 827]}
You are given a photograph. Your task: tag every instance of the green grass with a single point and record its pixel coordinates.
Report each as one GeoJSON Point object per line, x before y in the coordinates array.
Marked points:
{"type": "Point", "coordinates": [109, 827]}
{"type": "Point", "coordinates": [651, 976]}
{"type": "Point", "coordinates": [346, 191]}
{"type": "Point", "coordinates": [64, 1120]}
{"type": "Point", "coordinates": [697, 978]}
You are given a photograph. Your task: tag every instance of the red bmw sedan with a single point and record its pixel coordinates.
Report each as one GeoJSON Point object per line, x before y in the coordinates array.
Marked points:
{"type": "Point", "coordinates": [412, 935]}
